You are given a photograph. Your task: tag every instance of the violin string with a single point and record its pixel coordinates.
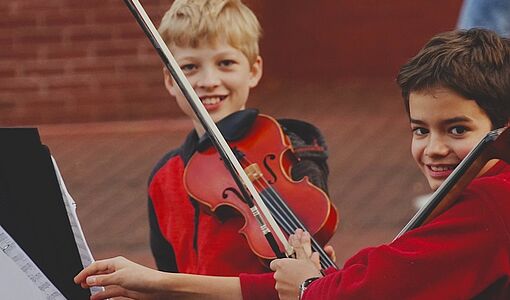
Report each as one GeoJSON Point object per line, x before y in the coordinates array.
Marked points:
{"type": "Point", "coordinates": [286, 218]}
{"type": "Point", "coordinates": [294, 222]}
{"type": "Point", "coordinates": [283, 219]}
{"type": "Point", "coordinates": [283, 215]}
{"type": "Point", "coordinates": [278, 213]}
{"type": "Point", "coordinates": [297, 224]}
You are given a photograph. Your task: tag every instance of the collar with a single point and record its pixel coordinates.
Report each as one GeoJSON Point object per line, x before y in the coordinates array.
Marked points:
{"type": "Point", "coordinates": [233, 127]}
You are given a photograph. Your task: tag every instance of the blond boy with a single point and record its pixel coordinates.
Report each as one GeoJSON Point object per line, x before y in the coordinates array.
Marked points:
{"type": "Point", "coordinates": [215, 43]}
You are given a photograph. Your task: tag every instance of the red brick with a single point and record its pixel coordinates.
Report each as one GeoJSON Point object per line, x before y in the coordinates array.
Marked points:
{"type": "Point", "coordinates": [128, 31]}
{"type": "Point", "coordinates": [114, 48]}
{"type": "Point", "coordinates": [92, 4]}
{"type": "Point", "coordinates": [12, 21]}
{"type": "Point", "coordinates": [19, 84]}
{"type": "Point", "coordinates": [64, 52]}
{"type": "Point", "coordinates": [6, 105]}
{"type": "Point", "coordinates": [153, 66]}
{"type": "Point", "coordinates": [42, 69]}
{"type": "Point", "coordinates": [5, 6]}
{"type": "Point", "coordinates": [87, 33]}
{"type": "Point", "coordinates": [8, 69]}
{"type": "Point", "coordinates": [34, 37]}
{"type": "Point", "coordinates": [95, 66]}
{"type": "Point", "coordinates": [64, 17]}
{"type": "Point", "coordinates": [114, 15]}
{"type": "Point", "coordinates": [33, 5]}
{"type": "Point", "coordinates": [6, 40]}
{"type": "Point", "coordinates": [70, 86]}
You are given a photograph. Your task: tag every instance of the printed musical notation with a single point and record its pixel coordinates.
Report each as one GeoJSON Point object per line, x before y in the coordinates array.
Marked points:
{"type": "Point", "coordinates": [20, 277]}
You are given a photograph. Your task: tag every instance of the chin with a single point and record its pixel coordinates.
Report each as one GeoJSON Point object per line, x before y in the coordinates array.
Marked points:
{"type": "Point", "coordinates": [434, 184]}
{"type": "Point", "coordinates": [217, 116]}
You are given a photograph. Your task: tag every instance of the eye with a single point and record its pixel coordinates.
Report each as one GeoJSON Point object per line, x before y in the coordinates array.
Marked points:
{"type": "Point", "coordinates": [188, 67]}
{"type": "Point", "coordinates": [227, 63]}
{"type": "Point", "coordinates": [420, 131]}
{"type": "Point", "coordinates": [458, 130]}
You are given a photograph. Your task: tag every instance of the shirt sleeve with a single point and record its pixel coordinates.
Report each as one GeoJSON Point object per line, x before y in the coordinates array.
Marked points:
{"type": "Point", "coordinates": [258, 286]}
{"type": "Point", "coordinates": [162, 250]}
{"type": "Point", "coordinates": [458, 255]}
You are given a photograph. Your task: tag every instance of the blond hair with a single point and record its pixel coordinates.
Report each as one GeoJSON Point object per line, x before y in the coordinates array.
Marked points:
{"type": "Point", "coordinates": [188, 23]}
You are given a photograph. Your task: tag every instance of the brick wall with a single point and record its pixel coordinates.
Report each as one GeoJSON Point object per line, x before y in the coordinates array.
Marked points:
{"type": "Point", "coordinates": [87, 60]}
{"type": "Point", "coordinates": [73, 60]}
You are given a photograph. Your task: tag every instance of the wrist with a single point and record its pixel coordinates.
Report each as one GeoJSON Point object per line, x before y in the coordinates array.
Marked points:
{"type": "Point", "coordinates": [304, 285]}
{"type": "Point", "coordinates": [165, 282]}
{"type": "Point", "coordinates": [193, 286]}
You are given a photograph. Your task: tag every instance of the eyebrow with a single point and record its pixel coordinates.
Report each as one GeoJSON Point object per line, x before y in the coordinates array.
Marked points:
{"type": "Point", "coordinates": [444, 122]}
{"type": "Point", "coordinates": [224, 53]}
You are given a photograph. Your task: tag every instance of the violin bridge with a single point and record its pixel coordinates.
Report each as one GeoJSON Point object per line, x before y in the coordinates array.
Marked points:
{"type": "Point", "coordinates": [253, 172]}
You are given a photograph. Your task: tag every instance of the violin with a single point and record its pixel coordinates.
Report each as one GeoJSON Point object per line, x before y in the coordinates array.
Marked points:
{"type": "Point", "coordinates": [267, 156]}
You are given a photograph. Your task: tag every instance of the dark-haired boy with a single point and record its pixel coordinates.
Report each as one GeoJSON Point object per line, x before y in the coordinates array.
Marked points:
{"type": "Point", "coordinates": [456, 89]}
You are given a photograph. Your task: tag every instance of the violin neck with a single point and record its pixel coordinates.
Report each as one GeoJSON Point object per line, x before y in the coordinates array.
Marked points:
{"type": "Point", "coordinates": [495, 145]}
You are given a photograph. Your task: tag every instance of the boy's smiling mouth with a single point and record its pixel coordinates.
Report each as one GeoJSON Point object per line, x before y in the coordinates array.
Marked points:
{"type": "Point", "coordinates": [211, 102]}
{"type": "Point", "coordinates": [440, 170]}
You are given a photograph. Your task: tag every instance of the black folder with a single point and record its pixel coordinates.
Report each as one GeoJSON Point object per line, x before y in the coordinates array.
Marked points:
{"type": "Point", "coordinates": [32, 209]}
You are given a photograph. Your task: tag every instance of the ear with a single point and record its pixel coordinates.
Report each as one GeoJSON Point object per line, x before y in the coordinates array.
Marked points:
{"type": "Point", "coordinates": [170, 85]}
{"type": "Point", "coordinates": [256, 72]}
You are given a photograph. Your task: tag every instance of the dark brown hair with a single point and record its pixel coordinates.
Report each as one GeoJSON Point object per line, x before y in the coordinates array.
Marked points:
{"type": "Point", "coordinates": [474, 63]}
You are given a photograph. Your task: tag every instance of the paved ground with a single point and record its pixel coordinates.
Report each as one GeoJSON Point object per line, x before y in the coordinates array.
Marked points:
{"type": "Point", "coordinates": [372, 182]}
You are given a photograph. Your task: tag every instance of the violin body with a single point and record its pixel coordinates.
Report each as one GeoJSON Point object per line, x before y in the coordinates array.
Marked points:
{"type": "Point", "coordinates": [266, 146]}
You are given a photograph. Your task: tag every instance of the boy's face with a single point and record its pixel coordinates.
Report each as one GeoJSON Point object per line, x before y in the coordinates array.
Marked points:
{"type": "Point", "coordinates": [445, 128]}
{"type": "Point", "coordinates": [220, 75]}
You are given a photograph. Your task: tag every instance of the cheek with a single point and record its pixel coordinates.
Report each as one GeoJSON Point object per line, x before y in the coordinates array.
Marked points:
{"type": "Point", "coordinates": [417, 148]}
{"type": "Point", "coordinates": [462, 147]}
{"type": "Point", "coordinates": [239, 82]}
{"type": "Point", "coordinates": [461, 151]}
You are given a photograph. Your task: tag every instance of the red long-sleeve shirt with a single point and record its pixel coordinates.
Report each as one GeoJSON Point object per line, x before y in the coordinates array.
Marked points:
{"type": "Point", "coordinates": [464, 253]}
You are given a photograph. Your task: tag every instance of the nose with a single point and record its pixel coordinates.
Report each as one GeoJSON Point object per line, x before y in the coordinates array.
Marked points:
{"type": "Point", "coordinates": [208, 79]}
{"type": "Point", "coordinates": [436, 147]}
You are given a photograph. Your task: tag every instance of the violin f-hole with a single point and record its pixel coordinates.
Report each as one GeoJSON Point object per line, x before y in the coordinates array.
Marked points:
{"type": "Point", "coordinates": [268, 168]}
{"type": "Point", "coordinates": [234, 191]}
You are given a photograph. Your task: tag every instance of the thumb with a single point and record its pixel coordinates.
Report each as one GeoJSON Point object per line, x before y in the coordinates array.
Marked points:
{"type": "Point", "coordinates": [274, 265]}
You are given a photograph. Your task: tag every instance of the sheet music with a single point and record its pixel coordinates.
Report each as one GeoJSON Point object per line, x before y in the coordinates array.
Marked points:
{"type": "Point", "coordinates": [57, 257]}
{"type": "Point", "coordinates": [81, 243]}
{"type": "Point", "coordinates": [83, 248]}
{"type": "Point", "coordinates": [14, 284]}
{"type": "Point", "coordinates": [20, 278]}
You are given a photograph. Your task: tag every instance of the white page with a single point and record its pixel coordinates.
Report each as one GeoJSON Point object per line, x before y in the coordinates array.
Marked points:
{"type": "Point", "coordinates": [14, 284]}
{"type": "Point", "coordinates": [19, 272]}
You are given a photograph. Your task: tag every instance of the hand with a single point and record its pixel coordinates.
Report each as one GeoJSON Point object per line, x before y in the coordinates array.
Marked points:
{"type": "Point", "coordinates": [121, 277]}
{"type": "Point", "coordinates": [290, 273]}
